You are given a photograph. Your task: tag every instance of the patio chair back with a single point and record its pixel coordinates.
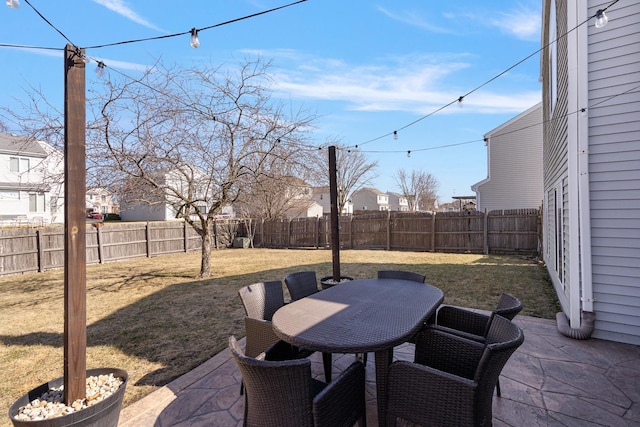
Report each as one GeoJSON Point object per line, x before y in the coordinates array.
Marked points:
{"type": "Point", "coordinates": [277, 393]}
{"type": "Point", "coordinates": [400, 274]}
{"type": "Point", "coordinates": [508, 306]}
{"type": "Point", "coordinates": [451, 381]}
{"type": "Point", "coordinates": [283, 392]}
{"type": "Point", "coordinates": [301, 284]}
{"type": "Point", "coordinates": [261, 300]}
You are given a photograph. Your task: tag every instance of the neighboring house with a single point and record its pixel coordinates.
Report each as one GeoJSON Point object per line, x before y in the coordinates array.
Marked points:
{"type": "Point", "coordinates": [591, 161]}
{"type": "Point", "coordinates": [304, 209]}
{"type": "Point", "coordinates": [100, 200]}
{"type": "Point", "coordinates": [31, 181]}
{"type": "Point", "coordinates": [370, 199]}
{"type": "Point", "coordinates": [155, 208]}
{"type": "Point", "coordinates": [322, 196]}
{"type": "Point", "coordinates": [514, 164]}
{"type": "Point", "coordinates": [397, 202]}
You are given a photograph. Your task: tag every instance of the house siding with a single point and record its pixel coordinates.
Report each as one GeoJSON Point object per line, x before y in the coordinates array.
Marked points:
{"type": "Point", "coordinates": [614, 162]}
{"type": "Point", "coordinates": [515, 164]}
{"type": "Point", "coordinates": [555, 154]}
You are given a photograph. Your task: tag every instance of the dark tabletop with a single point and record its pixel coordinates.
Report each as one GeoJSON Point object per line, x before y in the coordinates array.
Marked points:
{"type": "Point", "coordinates": [358, 316]}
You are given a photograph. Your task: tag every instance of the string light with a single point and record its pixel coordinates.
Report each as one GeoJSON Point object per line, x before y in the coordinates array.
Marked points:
{"type": "Point", "coordinates": [408, 153]}
{"type": "Point", "coordinates": [601, 19]}
{"type": "Point", "coordinates": [395, 135]}
{"type": "Point", "coordinates": [195, 41]}
{"type": "Point", "coordinates": [460, 99]}
{"type": "Point", "coordinates": [13, 4]}
{"type": "Point", "coordinates": [100, 69]}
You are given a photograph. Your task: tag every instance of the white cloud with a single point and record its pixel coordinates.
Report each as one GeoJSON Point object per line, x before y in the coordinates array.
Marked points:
{"type": "Point", "coordinates": [119, 7]}
{"type": "Point", "coordinates": [523, 22]}
{"type": "Point", "coordinates": [418, 85]}
{"type": "Point", "coordinates": [414, 19]}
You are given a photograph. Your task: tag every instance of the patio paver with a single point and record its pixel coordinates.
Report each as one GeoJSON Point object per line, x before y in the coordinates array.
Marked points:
{"type": "Point", "coordinates": [551, 380]}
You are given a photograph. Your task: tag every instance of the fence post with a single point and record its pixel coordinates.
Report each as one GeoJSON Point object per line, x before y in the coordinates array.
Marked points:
{"type": "Point", "coordinates": [99, 241]}
{"type": "Point", "coordinates": [351, 231]}
{"type": "Point", "coordinates": [388, 230]}
{"type": "Point", "coordinates": [289, 233]}
{"type": "Point", "coordinates": [147, 239]}
{"type": "Point", "coordinates": [317, 232]}
{"type": "Point", "coordinates": [39, 249]}
{"type": "Point", "coordinates": [185, 237]}
{"type": "Point", "coordinates": [486, 232]}
{"type": "Point", "coordinates": [433, 232]}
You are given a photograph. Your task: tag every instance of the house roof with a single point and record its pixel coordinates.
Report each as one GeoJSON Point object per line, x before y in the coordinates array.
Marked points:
{"type": "Point", "coordinates": [21, 145]}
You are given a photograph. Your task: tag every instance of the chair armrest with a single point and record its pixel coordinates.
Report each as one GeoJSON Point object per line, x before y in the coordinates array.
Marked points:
{"type": "Point", "coordinates": [342, 402]}
{"type": "Point", "coordinates": [448, 352]}
{"type": "Point", "coordinates": [463, 320]}
{"type": "Point", "coordinates": [259, 336]}
{"type": "Point", "coordinates": [427, 396]}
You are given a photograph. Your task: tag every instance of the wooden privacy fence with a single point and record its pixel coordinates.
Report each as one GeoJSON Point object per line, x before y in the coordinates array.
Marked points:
{"type": "Point", "coordinates": [505, 232]}
{"type": "Point", "coordinates": [29, 249]}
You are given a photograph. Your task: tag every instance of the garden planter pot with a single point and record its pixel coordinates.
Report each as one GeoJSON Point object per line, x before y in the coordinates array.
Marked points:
{"type": "Point", "coordinates": [327, 282]}
{"type": "Point", "coordinates": [103, 414]}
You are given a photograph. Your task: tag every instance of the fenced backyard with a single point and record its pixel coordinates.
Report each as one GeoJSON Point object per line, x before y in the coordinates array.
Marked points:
{"type": "Point", "coordinates": [29, 249]}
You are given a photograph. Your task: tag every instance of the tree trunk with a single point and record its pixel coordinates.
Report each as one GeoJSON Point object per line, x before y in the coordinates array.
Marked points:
{"type": "Point", "coordinates": [205, 262]}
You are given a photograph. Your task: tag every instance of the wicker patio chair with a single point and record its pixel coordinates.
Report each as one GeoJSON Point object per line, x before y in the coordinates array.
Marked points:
{"type": "Point", "coordinates": [400, 274]}
{"type": "Point", "coordinates": [283, 393]}
{"type": "Point", "coordinates": [473, 325]}
{"type": "Point", "coordinates": [260, 301]}
{"type": "Point", "coordinates": [451, 381]}
{"type": "Point", "coordinates": [302, 284]}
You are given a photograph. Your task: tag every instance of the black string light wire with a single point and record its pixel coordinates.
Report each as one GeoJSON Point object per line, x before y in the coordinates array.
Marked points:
{"type": "Point", "coordinates": [458, 100]}
{"type": "Point", "coordinates": [500, 74]}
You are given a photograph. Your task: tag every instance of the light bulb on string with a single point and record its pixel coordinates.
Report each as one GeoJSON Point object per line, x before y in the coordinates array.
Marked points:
{"type": "Point", "coordinates": [100, 69]}
{"type": "Point", "coordinates": [395, 134]}
{"type": "Point", "coordinates": [460, 99]}
{"type": "Point", "coordinates": [13, 4]}
{"type": "Point", "coordinates": [195, 42]}
{"type": "Point", "coordinates": [601, 19]}
{"type": "Point", "coordinates": [583, 112]}
{"type": "Point", "coordinates": [409, 153]}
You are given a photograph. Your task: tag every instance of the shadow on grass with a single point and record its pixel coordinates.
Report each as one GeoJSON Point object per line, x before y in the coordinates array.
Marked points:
{"type": "Point", "coordinates": [183, 325]}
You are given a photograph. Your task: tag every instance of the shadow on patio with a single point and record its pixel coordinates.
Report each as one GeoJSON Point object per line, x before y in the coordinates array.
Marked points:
{"type": "Point", "coordinates": [550, 380]}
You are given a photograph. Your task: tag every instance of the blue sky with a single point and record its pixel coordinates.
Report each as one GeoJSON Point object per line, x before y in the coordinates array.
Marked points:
{"type": "Point", "coordinates": [366, 68]}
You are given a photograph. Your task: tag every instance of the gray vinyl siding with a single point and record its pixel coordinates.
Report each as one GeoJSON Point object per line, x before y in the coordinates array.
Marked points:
{"type": "Point", "coordinates": [614, 170]}
{"type": "Point", "coordinates": [555, 157]}
{"type": "Point", "coordinates": [515, 164]}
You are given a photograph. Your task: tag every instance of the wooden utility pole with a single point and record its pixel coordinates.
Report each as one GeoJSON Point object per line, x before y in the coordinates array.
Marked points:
{"type": "Point", "coordinates": [335, 227]}
{"type": "Point", "coordinates": [75, 264]}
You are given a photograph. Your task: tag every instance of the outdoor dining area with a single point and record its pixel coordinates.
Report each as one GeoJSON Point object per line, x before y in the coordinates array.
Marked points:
{"type": "Point", "coordinates": [306, 361]}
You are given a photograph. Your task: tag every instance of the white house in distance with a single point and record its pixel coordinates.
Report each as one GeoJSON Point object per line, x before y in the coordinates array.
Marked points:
{"type": "Point", "coordinates": [591, 161]}
{"type": "Point", "coordinates": [397, 202]}
{"type": "Point", "coordinates": [100, 200]}
{"type": "Point", "coordinates": [514, 164]}
{"type": "Point", "coordinates": [322, 196]}
{"type": "Point", "coordinates": [31, 181]}
{"type": "Point", "coordinates": [370, 199]}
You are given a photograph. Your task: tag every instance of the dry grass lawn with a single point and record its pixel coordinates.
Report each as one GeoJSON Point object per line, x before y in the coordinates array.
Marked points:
{"type": "Point", "coordinates": [153, 319]}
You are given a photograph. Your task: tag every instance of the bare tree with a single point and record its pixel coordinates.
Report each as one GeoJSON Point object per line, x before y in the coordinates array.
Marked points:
{"type": "Point", "coordinates": [195, 139]}
{"type": "Point", "coordinates": [419, 188]}
{"type": "Point", "coordinates": [353, 171]}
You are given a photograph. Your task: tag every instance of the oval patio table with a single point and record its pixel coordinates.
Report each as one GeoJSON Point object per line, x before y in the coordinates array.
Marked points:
{"type": "Point", "coordinates": [364, 315]}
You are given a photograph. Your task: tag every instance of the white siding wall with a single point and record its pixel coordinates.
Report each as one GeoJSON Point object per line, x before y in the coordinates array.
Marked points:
{"type": "Point", "coordinates": [614, 170]}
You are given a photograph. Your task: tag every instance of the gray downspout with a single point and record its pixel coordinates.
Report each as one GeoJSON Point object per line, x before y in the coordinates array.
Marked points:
{"type": "Point", "coordinates": [583, 332]}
